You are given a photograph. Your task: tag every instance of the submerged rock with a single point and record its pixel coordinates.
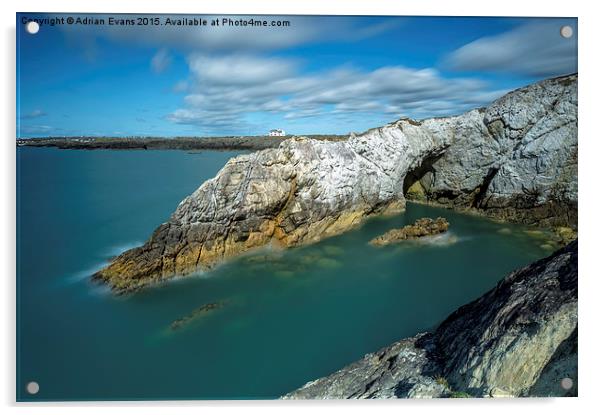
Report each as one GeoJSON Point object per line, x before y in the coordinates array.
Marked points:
{"type": "Point", "coordinates": [333, 250]}
{"type": "Point", "coordinates": [565, 234]}
{"type": "Point", "coordinates": [421, 228]}
{"type": "Point", "coordinates": [197, 313]}
{"type": "Point", "coordinates": [519, 339]}
{"type": "Point", "coordinates": [516, 159]}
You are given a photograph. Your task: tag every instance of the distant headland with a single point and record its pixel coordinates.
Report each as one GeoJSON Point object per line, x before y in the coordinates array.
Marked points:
{"type": "Point", "coordinates": [167, 143]}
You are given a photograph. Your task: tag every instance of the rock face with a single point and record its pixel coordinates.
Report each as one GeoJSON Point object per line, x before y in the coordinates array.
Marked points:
{"type": "Point", "coordinates": [401, 370]}
{"type": "Point", "coordinates": [422, 227]}
{"type": "Point", "coordinates": [519, 339]}
{"type": "Point", "coordinates": [520, 164]}
{"type": "Point", "coordinates": [516, 160]}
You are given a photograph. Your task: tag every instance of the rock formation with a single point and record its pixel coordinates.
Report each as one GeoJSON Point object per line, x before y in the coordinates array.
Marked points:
{"type": "Point", "coordinates": [519, 339]}
{"type": "Point", "coordinates": [421, 228]}
{"type": "Point", "coordinates": [520, 164]}
{"type": "Point", "coordinates": [515, 159]}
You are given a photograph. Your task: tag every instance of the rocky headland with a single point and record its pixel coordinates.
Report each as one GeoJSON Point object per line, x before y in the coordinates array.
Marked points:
{"type": "Point", "coordinates": [419, 229]}
{"type": "Point", "coordinates": [515, 160]}
{"type": "Point", "coordinates": [519, 339]}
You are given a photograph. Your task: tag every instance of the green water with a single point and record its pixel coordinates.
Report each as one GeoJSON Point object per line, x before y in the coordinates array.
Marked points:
{"type": "Point", "coordinates": [289, 316]}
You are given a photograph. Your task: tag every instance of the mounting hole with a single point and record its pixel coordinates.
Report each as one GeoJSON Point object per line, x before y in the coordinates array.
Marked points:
{"type": "Point", "coordinates": [32, 388]}
{"type": "Point", "coordinates": [566, 384]}
{"type": "Point", "coordinates": [566, 32]}
{"type": "Point", "coordinates": [32, 28]}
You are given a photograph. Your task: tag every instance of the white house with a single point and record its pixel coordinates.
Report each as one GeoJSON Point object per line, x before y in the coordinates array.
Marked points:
{"type": "Point", "coordinates": [277, 133]}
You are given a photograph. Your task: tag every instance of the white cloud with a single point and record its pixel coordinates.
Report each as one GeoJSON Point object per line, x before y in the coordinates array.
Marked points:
{"type": "Point", "coordinates": [225, 91]}
{"type": "Point", "coordinates": [36, 129]}
{"type": "Point", "coordinates": [180, 86]}
{"type": "Point", "coordinates": [532, 49]}
{"type": "Point", "coordinates": [238, 69]}
{"type": "Point", "coordinates": [33, 114]}
{"type": "Point", "coordinates": [160, 61]}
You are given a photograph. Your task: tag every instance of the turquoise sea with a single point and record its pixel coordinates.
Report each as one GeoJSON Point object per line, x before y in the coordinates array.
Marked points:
{"type": "Point", "coordinates": [289, 316]}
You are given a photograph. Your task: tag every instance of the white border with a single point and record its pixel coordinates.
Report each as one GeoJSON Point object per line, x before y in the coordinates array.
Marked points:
{"type": "Point", "coordinates": [590, 138]}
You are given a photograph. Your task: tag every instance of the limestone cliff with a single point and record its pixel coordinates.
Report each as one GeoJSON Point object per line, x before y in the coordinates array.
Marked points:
{"type": "Point", "coordinates": [516, 159]}
{"type": "Point", "coordinates": [519, 339]}
{"type": "Point", "coordinates": [520, 165]}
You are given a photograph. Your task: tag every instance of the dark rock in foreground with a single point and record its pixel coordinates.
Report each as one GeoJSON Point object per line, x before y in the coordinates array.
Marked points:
{"type": "Point", "coordinates": [421, 228]}
{"type": "Point", "coordinates": [519, 339]}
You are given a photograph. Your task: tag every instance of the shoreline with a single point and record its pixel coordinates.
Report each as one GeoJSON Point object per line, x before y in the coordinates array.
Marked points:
{"type": "Point", "coordinates": [558, 231]}
{"type": "Point", "coordinates": [164, 143]}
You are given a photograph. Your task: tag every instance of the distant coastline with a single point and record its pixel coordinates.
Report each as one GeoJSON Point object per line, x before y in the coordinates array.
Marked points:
{"type": "Point", "coordinates": [165, 143]}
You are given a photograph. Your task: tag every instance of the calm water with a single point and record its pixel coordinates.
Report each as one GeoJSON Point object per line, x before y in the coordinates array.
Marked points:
{"type": "Point", "coordinates": [289, 317]}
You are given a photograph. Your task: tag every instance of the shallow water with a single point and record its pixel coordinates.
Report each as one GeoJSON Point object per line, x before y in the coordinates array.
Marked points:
{"type": "Point", "coordinates": [287, 317]}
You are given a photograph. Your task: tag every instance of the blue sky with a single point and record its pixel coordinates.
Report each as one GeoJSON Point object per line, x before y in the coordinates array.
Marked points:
{"type": "Point", "coordinates": [320, 75]}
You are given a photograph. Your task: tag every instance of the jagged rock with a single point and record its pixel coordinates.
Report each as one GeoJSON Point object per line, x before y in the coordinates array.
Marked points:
{"type": "Point", "coordinates": [519, 339]}
{"type": "Point", "coordinates": [401, 370]}
{"type": "Point", "coordinates": [421, 228]}
{"type": "Point", "coordinates": [515, 160]}
{"type": "Point", "coordinates": [562, 366]}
